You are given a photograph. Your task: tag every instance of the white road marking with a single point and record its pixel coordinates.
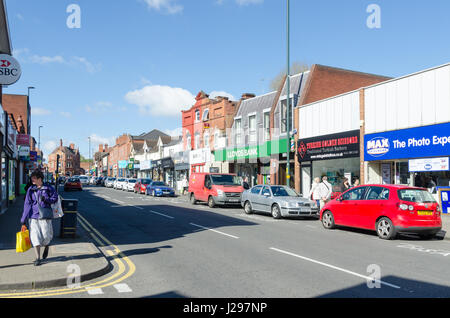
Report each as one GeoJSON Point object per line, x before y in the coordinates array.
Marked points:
{"type": "Point", "coordinates": [137, 207]}
{"type": "Point", "coordinates": [164, 215]}
{"type": "Point", "coordinates": [336, 268]}
{"type": "Point", "coordinates": [123, 288]}
{"type": "Point", "coordinates": [205, 228]}
{"type": "Point", "coordinates": [95, 291]}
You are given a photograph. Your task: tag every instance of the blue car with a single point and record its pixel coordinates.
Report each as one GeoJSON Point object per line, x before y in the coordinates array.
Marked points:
{"type": "Point", "coordinates": [159, 189]}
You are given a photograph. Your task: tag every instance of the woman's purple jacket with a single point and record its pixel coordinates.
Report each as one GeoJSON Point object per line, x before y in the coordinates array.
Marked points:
{"type": "Point", "coordinates": [48, 197]}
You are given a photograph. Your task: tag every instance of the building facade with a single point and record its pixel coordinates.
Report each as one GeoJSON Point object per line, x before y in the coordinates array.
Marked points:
{"type": "Point", "coordinates": [69, 160]}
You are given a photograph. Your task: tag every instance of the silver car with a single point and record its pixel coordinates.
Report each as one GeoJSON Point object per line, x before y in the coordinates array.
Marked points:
{"type": "Point", "coordinates": [280, 201]}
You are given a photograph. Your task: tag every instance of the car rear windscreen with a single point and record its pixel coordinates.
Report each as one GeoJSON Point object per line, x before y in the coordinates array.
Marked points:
{"type": "Point", "coordinates": [416, 195]}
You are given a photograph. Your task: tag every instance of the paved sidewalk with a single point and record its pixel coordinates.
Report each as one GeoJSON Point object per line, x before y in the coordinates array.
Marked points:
{"type": "Point", "coordinates": [17, 271]}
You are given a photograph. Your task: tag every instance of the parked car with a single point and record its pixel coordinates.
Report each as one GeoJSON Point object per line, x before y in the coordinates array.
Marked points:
{"type": "Point", "coordinates": [279, 201]}
{"type": "Point", "coordinates": [215, 188]}
{"type": "Point", "coordinates": [100, 180]}
{"type": "Point", "coordinates": [118, 184]}
{"type": "Point", "coordinates": [109, 182]}
{"type": "Point", "coordinates": [386, 209]}
{"type": "Point", "coordinates": [129, 185]}
{"type": "Point", "coordinates": [73, 184]}
{"type": "Point", "coordinates": [84, 180]}
{"type": "Point", "coordinates": [159, 189]}
{"type": "Point", "coordinates": [141, 185]}
{"type": "Point", "coordinates": [93, 180]}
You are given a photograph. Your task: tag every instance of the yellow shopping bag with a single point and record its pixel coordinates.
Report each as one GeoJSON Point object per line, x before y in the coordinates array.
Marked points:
{"type": "Point", "coordinates": [23, 242]}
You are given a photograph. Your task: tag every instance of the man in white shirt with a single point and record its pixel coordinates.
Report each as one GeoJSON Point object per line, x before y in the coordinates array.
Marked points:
{"type": "Point", "coordinates": [325, 191]}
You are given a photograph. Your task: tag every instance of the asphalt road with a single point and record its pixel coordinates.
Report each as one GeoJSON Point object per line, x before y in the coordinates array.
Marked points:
{"type": "Point", "coordinates": [182, 250]}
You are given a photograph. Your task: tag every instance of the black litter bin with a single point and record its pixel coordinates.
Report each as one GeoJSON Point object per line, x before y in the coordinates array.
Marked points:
{"type": "Point", "coordinates": [69, 220]}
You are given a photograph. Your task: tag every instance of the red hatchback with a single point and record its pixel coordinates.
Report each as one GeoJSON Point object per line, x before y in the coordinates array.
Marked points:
{"type": "Point", "coordinates": [141, 185]}
{"type": "Point", "coordinates": [386, 209]}
{"type": "Point", "coordinates": [73, 184]}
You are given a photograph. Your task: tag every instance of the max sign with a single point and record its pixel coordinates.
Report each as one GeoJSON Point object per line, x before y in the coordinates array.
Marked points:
{"type": "Point", "coordinates": [10, 70]}
{"type": "Point", "coordinates": [428, 141]}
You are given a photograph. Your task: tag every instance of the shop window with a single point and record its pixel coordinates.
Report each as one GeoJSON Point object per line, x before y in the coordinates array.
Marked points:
{"type": "Point", "coordinates": [402, 173]}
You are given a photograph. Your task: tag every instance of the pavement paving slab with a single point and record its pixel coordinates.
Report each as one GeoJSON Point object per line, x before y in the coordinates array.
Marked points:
{"type": "Point", "coordinates": [17, 271]}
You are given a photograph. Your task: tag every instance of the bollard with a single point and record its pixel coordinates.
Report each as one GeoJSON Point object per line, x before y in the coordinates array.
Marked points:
{"type": "Point", "coordinates": [69, 220]}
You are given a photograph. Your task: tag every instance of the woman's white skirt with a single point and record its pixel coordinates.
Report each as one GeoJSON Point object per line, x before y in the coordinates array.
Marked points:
{"type": "Point", "coordinates": [41, 232]}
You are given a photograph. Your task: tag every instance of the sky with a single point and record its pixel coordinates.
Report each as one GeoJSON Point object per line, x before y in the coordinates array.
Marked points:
{"type": "Point", "coordinates": [108, 67]}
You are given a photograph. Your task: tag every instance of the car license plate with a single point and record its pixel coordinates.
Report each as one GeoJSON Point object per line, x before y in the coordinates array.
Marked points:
{"type": "Point", "coordinates": [424, 212]}
{"type": "Point", "coordinates": [233, 200]}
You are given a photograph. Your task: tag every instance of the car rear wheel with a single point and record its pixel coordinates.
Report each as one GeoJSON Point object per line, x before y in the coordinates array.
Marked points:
{"type": "Point", "coordinates": [328, 220]}
{"type": "Point", "coordinates": [211, 202]}
{"type": "Point", "coordinates": [248, 208]}
{"type": "Point", "coordinates": [276, 212]}
{"type": "Point", "coordinates": [385, 229]}
{"type": "Point", "coordinates": [192, 199]}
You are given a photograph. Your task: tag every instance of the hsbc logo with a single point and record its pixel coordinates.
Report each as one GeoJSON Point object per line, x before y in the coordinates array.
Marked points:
{"type": "Point", "coordinates": [5, 63]}
{"type": "Point", "coordinates": [378, 146]}
{"type": "Point", "coordinates": [10, 70]}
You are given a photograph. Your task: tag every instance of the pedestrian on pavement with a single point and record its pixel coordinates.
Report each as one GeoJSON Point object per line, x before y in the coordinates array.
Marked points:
{"type": "Point", "coordinates": [325, 191]}
{"type": "Point", "coordinates": [315, 191]}
{"type": "Point", "coordinates": [345, 185]}
{"type": "Point", "coordinates": [41, 231]}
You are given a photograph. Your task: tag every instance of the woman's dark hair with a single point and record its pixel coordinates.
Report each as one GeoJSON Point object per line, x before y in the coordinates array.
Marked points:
{"type": "Point", "coordinates": [38, 174]}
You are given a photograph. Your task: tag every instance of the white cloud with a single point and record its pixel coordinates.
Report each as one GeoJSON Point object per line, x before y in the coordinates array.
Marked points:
{"type": "Point", "coordinates": [159, 100]}
{"type": "Point", "coordinates": [65, 114]}
{"type": "Point", "coordinates": [49, 146]}
{"type": "Point", "coordinates": [174, 132]}
{"type": "Point", "coordinates": [167, 6]}
{"type": "Point", "coordinates": [97, 140]}
{"type": "Point", "coordinates": [40, 111]}
{"type": "Point", "coordinates": [25, 56]}
{"type": "Point", "coordinates": [214, 94]}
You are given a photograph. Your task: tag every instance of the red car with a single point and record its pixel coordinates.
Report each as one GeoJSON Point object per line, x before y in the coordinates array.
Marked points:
{"type": "Point", "coordinates": [141, 185]}
{"type": "Point", "coordinates": [387, 209]}
{"type": "Point", "coordinates": [73, 184]}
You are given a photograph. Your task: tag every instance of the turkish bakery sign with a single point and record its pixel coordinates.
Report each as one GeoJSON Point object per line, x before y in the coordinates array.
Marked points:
{"type": "Point", "coordinates": [335, 146]}
{"type": "Point", "coordinates": [427, 141]}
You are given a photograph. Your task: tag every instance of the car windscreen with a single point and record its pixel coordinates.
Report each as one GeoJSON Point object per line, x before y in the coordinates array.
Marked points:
{"type": "Point", "coordinates": [73, 180]}
{"type": "Point", "coordinates": [283, 192]}
{"type": "Point", "coordinates": [416, 195]}
{"type": "Point", "coordinates": [160, 184]}
{"type": "Point", "coordinates": [132, 181]}
{"type": "Point", "coordinates": [225, 179]}
{"type": "Point", "coordinates": [121, 180]}
{"type": "Point", "coordinates": [112, 179]}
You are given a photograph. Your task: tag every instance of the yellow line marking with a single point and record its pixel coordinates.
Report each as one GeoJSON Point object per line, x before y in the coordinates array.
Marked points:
{"type": "Point", "coordinates": [117, 256]}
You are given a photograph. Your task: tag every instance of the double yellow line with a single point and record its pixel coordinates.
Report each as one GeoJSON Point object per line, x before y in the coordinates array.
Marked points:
{"type": "Point", "coordinates": [125, 268]}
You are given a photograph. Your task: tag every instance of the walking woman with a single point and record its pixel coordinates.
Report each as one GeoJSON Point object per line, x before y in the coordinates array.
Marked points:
{"type": "Point", "coordinates": [41, 230]}
{"type": "Point", "coordinates": [315, 191]}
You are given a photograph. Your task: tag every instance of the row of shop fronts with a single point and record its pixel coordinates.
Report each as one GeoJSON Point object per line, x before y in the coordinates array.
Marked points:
{"type": "Point", "coordinates": [395, 132]}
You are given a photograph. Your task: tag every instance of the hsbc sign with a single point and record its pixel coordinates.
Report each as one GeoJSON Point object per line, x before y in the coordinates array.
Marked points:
{"type": "Point", "coordinates": [10, 70]}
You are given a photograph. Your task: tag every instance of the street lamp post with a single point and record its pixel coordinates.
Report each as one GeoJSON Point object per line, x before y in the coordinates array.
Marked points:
{"type": "Point", "coordinates": [89, 154]}
{"type": "Point", "coordinates": [288, 106]}
{"type": "Point", "coordinates": [39, 137]}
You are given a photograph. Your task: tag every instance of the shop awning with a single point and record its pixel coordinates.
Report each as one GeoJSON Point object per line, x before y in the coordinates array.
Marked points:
{"type": "Point", "coordinates": [5, 40]}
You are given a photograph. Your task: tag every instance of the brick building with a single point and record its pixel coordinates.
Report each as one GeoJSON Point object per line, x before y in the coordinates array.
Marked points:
{"type": "Point", "coordinates": [69, 160]}
{"type": "Point", "coordinates": [205, 127]}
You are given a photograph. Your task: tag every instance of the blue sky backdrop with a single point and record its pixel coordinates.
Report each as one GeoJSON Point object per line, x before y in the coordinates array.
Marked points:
{"type": "Point", "coordinates": [134, 64]}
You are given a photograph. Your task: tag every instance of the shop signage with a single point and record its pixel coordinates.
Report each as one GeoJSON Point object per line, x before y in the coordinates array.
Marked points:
{"type": "Point", "coordinates": [33, 155]}
{"type": "Point", "coordinates": [428, 141]}
{"type": "Point", "coordinates": [199, 156]}
{"type": "Point", "coordinates": [146, 165]}
{"type": "Point", "coordinates": [335, 146]}
{"type": "Point", "coordinates": [10, 70]}
{"type": "Point", "coordinates": [23, 140]}
{"type": "Point", "coordinates": [24, 153]}
{"type": "Point", "coordinates": [123, 164]}
{"type": "Point", "coordinates": [429, 164]}
{"type": "Point", "coordinates": [272, 147]}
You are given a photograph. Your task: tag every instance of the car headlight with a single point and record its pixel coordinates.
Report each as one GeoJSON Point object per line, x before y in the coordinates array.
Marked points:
{"type": "Point", "coordinates": [220, 193]}
{"type": "Point", "coordinates": [157, 189]}
{"type": "Point", "coordinates": [292, 204]}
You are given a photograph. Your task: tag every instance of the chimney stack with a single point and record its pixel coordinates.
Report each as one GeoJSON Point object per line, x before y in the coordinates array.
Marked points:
{"type": "Point", "coordinates": [60, 143]}
{"type": "Point", "coordinates": [247, 96]}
